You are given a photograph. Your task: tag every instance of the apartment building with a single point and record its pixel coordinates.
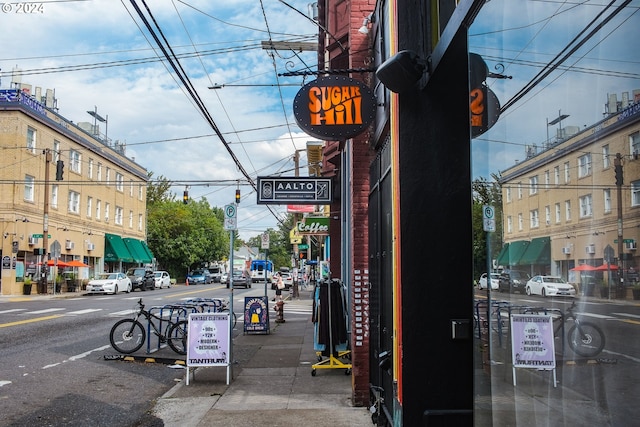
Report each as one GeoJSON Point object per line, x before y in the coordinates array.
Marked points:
{"type": "Point", "coordinates": [562, 206]}
{"type": "Point", "coordinates": [67, 192]}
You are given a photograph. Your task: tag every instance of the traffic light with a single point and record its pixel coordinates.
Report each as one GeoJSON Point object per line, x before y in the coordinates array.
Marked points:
{"type": "Point", "coordinates": [303, 254]}
{"type": "Point", "coordinates": [618, 169]}
{"type": "Point", "coordinates": [237, 196]}
{"type": "Point", "coordinates": [59, 170]}
{"type": "Point", "coordinates": [185, 197]}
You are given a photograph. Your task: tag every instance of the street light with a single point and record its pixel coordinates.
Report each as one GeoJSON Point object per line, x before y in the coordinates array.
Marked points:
{"type": "Point", "coordinates": [98, 118]}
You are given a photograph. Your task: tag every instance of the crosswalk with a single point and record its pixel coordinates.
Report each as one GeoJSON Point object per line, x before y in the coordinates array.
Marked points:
{"type": "Point", "coordinates": [292, 308]}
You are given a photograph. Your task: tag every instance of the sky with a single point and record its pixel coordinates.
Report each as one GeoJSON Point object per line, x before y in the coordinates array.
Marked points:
{"type": "Point", "coordinates": [98, 56]}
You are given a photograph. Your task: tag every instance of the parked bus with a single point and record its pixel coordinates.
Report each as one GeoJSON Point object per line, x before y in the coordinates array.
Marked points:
{"type": "Point", "coordinates": [259, 268]}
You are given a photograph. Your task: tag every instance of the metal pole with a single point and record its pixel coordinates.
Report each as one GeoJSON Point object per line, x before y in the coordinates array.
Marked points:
{"type": "Point", "coordinates": [617, 162]}
{"type": "Point", "coordinates": [42, 283]}
{"type": "Point", "coordinates": [231, 302]}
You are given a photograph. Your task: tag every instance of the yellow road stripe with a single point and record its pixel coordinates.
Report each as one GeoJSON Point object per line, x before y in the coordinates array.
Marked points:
{"type": "Point", "coordinates": [22, 322]}
{"type": "Point", "coordinates": [635, 322]}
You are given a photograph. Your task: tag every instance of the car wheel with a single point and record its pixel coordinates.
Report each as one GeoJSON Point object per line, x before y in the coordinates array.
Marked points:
{"type": "Point", "coordinates": [544, 293]}
{"type": "Point", "coordinates": [128, 288]}
{"type": "Point", "coordinates": [115, 289]}
{"type": "Point", "coordinates": [528, 290]}
{"type": "Point", "coordinates": [249, 285]}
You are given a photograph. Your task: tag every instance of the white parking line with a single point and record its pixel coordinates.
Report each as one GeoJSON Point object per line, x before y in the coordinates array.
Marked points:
{"type": "Point", "coordinates": [13, 310]}
{"type": "Point", "coordinates": [48, 310]}
{"type": "Point", "coordinates": [85, 311]}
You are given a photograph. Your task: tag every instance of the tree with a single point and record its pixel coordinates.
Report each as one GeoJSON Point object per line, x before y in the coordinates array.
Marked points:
{"type": "Point", "coordinates": [158, 191]}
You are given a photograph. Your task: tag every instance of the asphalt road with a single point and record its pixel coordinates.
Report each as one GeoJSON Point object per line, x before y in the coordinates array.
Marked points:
{"type": "Point", "coordinates": [54, 371]}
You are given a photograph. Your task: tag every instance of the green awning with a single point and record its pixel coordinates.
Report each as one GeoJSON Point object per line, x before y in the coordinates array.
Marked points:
{"type": "Point", "coordinates": [503, 257]}
{"type": "Point", "coordinates": [537, 252]}
{"type": "Point", "coordinates": [512, 252]}
{"type": "Point", "coordinates": [115, 249]}
{"type": "Point", "coordinates": [147, 250]}
{"type": "Point", "coordinates": [137, 250]}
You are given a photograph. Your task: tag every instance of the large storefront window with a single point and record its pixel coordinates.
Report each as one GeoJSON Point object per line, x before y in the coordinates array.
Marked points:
{"type": "Point", "coordinates": [557, 337]}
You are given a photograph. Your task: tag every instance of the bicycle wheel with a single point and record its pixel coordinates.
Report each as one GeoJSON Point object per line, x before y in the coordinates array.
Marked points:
{"type": "Point", "coordinates": [177, 336]}
{"type": "Point", "coordinates": [586, 339]}
{"type": "Point", "coordinates": [127, 336]}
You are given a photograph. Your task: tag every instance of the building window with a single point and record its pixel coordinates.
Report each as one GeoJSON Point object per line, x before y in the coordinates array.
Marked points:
{"type": "Point", "coordinates": [585, 206]}
{"type": "Point", "coordinates": [509, 224]}
{"type": "Point", "coordinates": [74, 159]}
{"type": "Point", "coordinates": [140, 192]}
{"type": "Point", "coordinates": [98, 209]}
{"type": "Point", "coordinates": [547, 179]}
{"type": "Point", "coordinates": [520, 222]}
{"type": "Point", "coordinates": [547, 215]}
{"type": "Point", "coordinates": [54, 196]}
{"type": "Point", "coordinates": [119, 215]}
{"type": "Point", "coordinates": [533, 185]}
{"type": "Point", "coordinates": [130, 188]}
{"type": "Point", "coordinates": [107, 208]}
{"type": "Point", "coordinates": [556, 175]}
{"type": "Point", "coordinates": [606, 160]}
{"type": "Point", "coordinates": [29, 188]}
{"type": "Point", "coordinates": [508, 194]}
{"type": "Point", "coordinates": [119, 182]}
{"type": "Point", "coordinates": [130, 219]}
{"type": "Point", "coordinates": [635, 193]}
{"type": "Point", "coordinates": [567, 210]}
{"type": "Point", "coordinates": [56, 150]}
{"type": "Point", "coordinates": [558, 213]}
{"type": "Point", "coordinates": [89, 206]}
{"type": "Point", "coordinates": [534, 219]}
{"type": "Point", "coordinates": [634, 141]}
{"type": "Point", "coordinates": [567, 174]}
{"type": "Point", "coordinates": [90, 169]}
{"type": "Point", "coordinates": [140, 222]}
{"type": "Point", "coordinates": [31, 139]}
{"type": "Point", "coordinates": [107, 175]}
{"type": "Point", "coordinates": [584, 165]}
{"type": "Point", "coordinates": [99, 173]}
{"type": "Point", "coordinates": [74, 202]}
{"type": "Point", "coordinates": [519, 190]}
{"type": "Point", "coordinates": [607, 201]}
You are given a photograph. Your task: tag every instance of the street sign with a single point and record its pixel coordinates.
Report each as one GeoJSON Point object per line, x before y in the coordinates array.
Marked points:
{"type": "Point", "coordinates": [55, 249]}
{"type": "Point", "coordinates": [230, 217]}
{"type": "Point", "coordinates": [303, 246]}
{"type": "Point", "coordinates": [489, 218]}
{"type": "Point", "coordinates": [40, 236]}
{"type": "Point", "coordinates": [265, 240]}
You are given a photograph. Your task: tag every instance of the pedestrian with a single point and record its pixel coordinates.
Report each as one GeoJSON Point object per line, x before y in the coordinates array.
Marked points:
{"type": "Point", "coordinates": [279, 288]}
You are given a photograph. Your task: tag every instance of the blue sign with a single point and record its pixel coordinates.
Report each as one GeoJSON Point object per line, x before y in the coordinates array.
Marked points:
{"type": "Point", "coordinates": [256, 314]}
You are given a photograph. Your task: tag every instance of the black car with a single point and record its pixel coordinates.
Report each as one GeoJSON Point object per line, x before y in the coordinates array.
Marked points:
{"type": "Point", "coordinates": [240, 279]}
{"type": "Point", "coordinates": [141, 278]}
{"type": "Point", "coordinates": [513, 281]}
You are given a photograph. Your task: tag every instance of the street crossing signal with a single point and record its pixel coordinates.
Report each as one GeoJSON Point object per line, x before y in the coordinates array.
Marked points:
{"type": "Point", "coordinates": [237, 196]}
{"type": "Point", "coordinates": [185, 197]}
{"type": "Point", "coordinates": [59, 170]}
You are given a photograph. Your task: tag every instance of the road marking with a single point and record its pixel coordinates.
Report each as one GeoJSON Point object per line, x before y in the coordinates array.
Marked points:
{"type": "Point", "coordinates": [48, 310]}
{"type": "Point", "coordinates": [597, 316]}
{"type": "Point", "coordinates": [627, 315]}
{"type": "Point", "coordinates": [85, 311]}
{"type": "Point", "coordinates": [123, 313]}
{"type": "Point", "coordinates": [13, 310]}
{"type": "Point", "coordinates": [77, 356]}
{"type": "Point", "coordinates": [22, 322]}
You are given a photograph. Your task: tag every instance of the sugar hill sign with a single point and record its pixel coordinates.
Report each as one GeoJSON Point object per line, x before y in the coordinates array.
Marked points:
{"type": "Point", "coordinates": [294, 190]}
{"type": "Point", "coordinates": [334, 108]}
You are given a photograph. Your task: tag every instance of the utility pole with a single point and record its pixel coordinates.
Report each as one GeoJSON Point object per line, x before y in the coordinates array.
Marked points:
{"type": "Point", "coordinates": [42, 282]}
{"type": "Point", "coordinates": [617, 163]}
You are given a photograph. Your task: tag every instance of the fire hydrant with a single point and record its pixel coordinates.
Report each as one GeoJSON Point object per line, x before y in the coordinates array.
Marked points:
{"type": "Point", "coordinates": [279, 308]}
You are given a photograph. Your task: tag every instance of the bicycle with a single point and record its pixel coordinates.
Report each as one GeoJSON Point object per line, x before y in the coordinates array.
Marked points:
{"type": "Point", "coordinates": [586, 339]}
{"type": "Point", "coordinates": [128, 335]}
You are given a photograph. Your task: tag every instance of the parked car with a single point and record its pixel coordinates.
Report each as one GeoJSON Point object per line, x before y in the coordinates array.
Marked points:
{"type": "Point", "coordinates": [216, 274]}
{"type": "Point", "coordinates": [287, 278]}
{"type": "Point", "coordinates": [495, 279]}
{"type": "Point", "coordinates": [200, 276]}
{"type": "Point", "coordinates": [224, 278]}
{"type": "Point", "coordinates": [162, 278]}
{"type": "Point", "coordinates": [109, 283]}
{"type": "Point", "coordinates": [549, 286]}
{"type": "Point", "coordinates": [141, 278]}
{"type": "Point", "coordinates": [239, 279]}
{"type": "Point", "coordinates": [513, 281]}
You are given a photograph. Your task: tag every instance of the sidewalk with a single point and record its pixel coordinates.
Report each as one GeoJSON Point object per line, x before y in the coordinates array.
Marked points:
{"type": "Point", "coordinates": [271, 384]}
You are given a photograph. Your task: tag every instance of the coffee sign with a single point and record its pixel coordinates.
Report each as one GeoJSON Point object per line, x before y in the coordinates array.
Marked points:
{"type": "Point", "coordinates": [334, 108]}
{"type": "Point", "coordinates": [316, 226]}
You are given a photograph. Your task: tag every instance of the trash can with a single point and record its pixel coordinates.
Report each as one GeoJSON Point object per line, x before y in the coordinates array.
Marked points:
{"type": "Point", "coordinates": [26, 289]}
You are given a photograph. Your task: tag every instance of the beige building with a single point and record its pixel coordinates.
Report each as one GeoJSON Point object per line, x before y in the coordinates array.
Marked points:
{"type": "Point", "coordinates": [96, 214]}
{"type": "Point", "coordinates": [561, 204]}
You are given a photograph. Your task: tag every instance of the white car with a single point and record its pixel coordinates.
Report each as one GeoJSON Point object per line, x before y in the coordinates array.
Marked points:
{"type": "Point", "coordinates": [109, 283]}
{"type": "Point", "coordinates": [549, 286]}
{"type": "Point", "coordinates": [162, 278]}
{"type": "Point", "coordinates": [482, 284]}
